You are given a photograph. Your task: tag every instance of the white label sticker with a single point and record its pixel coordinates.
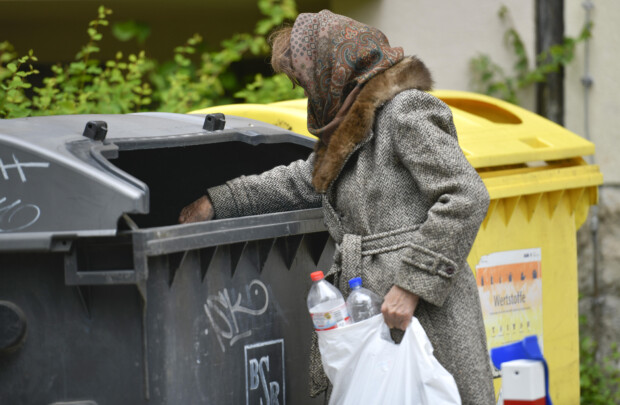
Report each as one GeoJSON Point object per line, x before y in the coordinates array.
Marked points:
{"type": "Point", "coordinates": [336, 318]}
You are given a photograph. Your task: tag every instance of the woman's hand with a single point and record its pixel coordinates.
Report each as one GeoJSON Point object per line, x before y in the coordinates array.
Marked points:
{"type": "Point", "coordinates": [398, 307]}
{"type": "Point", "coordinates": [199, 210]}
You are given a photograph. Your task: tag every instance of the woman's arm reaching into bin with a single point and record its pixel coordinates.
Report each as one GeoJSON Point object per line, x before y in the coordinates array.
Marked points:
{"type": "Point", "coordinates": [283, 188]}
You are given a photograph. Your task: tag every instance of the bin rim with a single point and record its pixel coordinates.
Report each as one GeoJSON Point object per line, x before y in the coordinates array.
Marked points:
{"type": "Point", "coordinates": [57, 158]}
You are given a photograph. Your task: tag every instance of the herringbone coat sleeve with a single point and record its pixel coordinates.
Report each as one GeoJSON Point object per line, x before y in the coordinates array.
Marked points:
{"type": "Point", "coordinates": [283, 188]}
{"type": "Point", "coordinates": [426, 143]}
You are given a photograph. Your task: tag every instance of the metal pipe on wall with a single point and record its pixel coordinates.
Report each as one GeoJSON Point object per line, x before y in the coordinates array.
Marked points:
{"type": "Point", "coordinates": [587, 82]}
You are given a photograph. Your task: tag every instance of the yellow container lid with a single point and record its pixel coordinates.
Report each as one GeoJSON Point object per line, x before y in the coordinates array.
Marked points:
{"type": "Point", "coordinates": [491, 132]}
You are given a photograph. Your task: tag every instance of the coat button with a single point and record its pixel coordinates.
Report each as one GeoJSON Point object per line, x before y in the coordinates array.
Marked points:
{"type": "Point", "coordinates": [450, 270]}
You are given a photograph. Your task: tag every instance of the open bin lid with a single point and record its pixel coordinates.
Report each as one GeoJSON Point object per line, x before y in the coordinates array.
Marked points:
{"type": "Point", "coordinates": [56, 183]}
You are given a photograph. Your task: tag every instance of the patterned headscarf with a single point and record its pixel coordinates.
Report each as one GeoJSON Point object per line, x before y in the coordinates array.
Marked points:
{"type": "Point", "coordinates": [333, 56]}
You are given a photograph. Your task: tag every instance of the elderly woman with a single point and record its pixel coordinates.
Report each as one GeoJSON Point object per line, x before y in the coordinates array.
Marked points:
{"type": "Point", "coordinates": [399, 197]}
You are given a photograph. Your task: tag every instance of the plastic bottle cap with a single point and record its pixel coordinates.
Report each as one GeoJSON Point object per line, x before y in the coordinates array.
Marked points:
{"type": "Point", "coordinates": [317, 275]}
{"type": "Point", "coordinates": [355, 282]}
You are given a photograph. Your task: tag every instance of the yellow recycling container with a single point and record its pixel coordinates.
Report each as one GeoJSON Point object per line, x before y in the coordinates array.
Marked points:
{"type": "Point", "coordinates": [525, 255]}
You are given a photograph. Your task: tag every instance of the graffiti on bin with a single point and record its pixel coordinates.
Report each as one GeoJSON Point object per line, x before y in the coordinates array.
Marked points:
{"type": "Point", "coordinates": [15, 215]}
{"type": "Point", "coordinates": [264, 373]}
{"type": "Point", "coordinates": [223, 315]}
{"type": "Point", "coordinates": [19, 168]}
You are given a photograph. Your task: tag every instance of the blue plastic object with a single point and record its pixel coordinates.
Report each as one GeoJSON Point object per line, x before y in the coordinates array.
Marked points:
{"type": "Point", "coordinates": [526, 349]}
{"type": "Point", "coordinates": [355, 282]}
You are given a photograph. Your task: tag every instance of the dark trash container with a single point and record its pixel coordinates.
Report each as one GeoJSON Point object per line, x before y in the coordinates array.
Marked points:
{"type": "Point", "coordinates": [105, 300]}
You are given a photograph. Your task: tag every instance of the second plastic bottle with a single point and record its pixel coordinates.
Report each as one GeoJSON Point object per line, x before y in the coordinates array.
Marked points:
{"type": "Point", "coordinates": [362, 303]}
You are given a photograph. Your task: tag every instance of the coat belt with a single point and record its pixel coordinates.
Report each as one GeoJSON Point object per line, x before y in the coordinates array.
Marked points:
{"type": "Point", "coordinates": [352, 247]}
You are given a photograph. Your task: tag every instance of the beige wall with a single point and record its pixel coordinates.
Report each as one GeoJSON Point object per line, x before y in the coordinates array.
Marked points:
{"type": "Point", "coordinates": [604, 97]}
{"type": "Point", "coordinates": [603, 307]}
{"type": "Point", "coordinates": [446, 34]}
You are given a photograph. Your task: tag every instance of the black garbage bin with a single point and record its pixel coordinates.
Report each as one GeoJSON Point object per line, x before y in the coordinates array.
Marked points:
{"type": "Point", "coordinates": [105, 300]}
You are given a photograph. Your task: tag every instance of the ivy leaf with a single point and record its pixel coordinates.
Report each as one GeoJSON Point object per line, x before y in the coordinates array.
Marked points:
{"type": "Point", "coordinates": [128, 30]}
{"type": "Point", "coordinates": [93, 70]}
{"type": "Point", "coordinates": [263, 27]}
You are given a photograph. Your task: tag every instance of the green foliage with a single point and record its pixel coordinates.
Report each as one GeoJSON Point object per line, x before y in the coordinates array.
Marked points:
{"type": "Point", "coordinates": [88, 86]}
{"type": "Point", "coordinates": [265, 89]}
{"type": "Point", "coordinates": [600, 380]}
{"type": "Point", "coordinates": [195, 78]}
{"type": "Point", "coordinates": [128, 30]}
{"type": "Point", "coordinates": [14, 80]}
{"type": "Point", "coordinates": [489, 78]}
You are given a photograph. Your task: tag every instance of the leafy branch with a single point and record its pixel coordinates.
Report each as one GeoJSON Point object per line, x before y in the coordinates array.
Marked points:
{"type": "Point", "coordinates": [490, 78]}
{"type": "Point", "coordinates": [194, 78]}
{"type": "Point", "coordinates": [14, 80]}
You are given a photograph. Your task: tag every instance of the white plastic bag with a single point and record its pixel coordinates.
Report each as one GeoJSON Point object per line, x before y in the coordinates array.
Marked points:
{"type": "Point", "coordinates": [366, 367]}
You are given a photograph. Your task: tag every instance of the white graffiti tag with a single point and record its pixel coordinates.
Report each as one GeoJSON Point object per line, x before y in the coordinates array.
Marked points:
{"type": "Point", "coordinates": [17, 216]}
{"type": "Point", "coordinates": [20, 166]}
{"type": "Point", "coordinates": [259, 369]}
{"type": "Point", "coordinates": [222, 312]}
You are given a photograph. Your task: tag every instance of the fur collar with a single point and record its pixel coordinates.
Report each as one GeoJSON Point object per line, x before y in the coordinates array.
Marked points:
{"type": "Point", "coordinates": [410, 73]}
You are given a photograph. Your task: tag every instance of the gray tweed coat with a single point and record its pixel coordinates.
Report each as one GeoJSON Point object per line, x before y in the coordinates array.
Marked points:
{"type": "Point", "coordinates": [403, 206]}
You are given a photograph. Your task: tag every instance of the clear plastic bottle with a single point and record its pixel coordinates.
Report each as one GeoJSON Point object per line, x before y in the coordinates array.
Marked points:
{"type": "Point", "coordinates": [326, 305]}
{"type": "Point", "coordinates": [362, 303]}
